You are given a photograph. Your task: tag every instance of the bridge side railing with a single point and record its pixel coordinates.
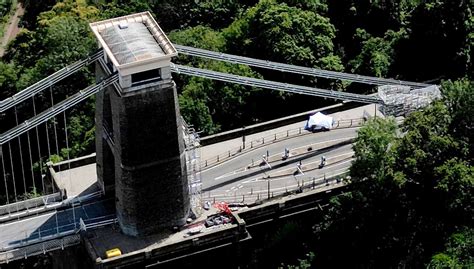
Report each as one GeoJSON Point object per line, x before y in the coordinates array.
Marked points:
{"type": "Point", "coordinates": [273, 138]}
{"type": "Point", "coordinates": [29, 205]}
{"type": "Point", "coordinates": [251, 197]}
{"type": "Point", "coordinates": [38, 235]}
{"type": "Point", "coordinates": [40, 248]}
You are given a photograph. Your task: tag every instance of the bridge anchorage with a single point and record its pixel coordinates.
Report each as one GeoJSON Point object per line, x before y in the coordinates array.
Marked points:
{"type": "Point", "coordinates": [145, 176]}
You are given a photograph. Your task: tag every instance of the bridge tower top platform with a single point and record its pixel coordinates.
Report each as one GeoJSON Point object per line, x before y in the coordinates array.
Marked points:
{"type": "Point", "coordinates": [135, 45]}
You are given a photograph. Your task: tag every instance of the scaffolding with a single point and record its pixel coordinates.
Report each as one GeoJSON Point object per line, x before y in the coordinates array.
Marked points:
{"type": "Point", "coordinates": [401, 100]}
{"type": "Point", "coordinates": [193, 167]}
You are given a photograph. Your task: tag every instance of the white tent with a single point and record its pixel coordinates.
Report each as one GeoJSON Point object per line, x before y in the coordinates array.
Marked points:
{"type": "Point", "coordinates": [319, 121]}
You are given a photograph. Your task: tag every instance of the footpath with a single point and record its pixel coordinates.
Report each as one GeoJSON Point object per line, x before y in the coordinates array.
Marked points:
{"type": "Point", "coordinates": [12, 28]}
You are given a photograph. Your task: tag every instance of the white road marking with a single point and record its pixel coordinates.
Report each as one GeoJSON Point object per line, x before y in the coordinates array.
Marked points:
{"type": "Point", "coordinates": [29, 219]}
{"type": "Point", "coordinates": [203, 169]}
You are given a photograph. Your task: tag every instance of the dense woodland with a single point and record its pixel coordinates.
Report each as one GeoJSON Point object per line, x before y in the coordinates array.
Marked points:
{"type": "Point", "coordinates": [413, 205]}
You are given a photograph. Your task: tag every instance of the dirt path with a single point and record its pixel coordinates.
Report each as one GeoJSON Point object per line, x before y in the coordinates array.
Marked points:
{"type": "Point", "coordinates": [12, 28]}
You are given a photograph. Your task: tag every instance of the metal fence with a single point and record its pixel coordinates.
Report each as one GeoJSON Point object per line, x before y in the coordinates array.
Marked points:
{"type": "Point", "coordinates": [28, 206]}
{"type": "Point", "coordinates": [40, 248]}
{"type": "Point", "coordinates": [255, 196]}
{"type": "Point", "coordinates": [37, 236]}
{"type": "Point", "coordinates": [276, 137]}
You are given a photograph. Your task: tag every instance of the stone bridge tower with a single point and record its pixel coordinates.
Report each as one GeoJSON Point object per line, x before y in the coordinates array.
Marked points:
{"type": "Point", "coordinates": [139, 135]}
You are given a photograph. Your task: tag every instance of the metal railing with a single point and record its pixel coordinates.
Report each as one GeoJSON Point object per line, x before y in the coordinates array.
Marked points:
{"type": "Point", "coordinates": [273, 85]}
{"type": "Point", "coordinates": [38, 235]}
{"type": "Point", "coordinates": [276, 137]}
{"type": "Point", "coordinates": [40, 248]}
{"type": "Point", "coordinates": [28, 206]}
{"type": "Point", "coordinates": [254, 196]}
{"type": "Point", "coordinates": [300, 70]}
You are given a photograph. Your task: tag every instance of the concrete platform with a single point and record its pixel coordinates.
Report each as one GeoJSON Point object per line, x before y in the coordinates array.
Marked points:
{"type": "Point", "coordinates": [78, 181]}
{"type": "Point", "coordinates": [160, 247]}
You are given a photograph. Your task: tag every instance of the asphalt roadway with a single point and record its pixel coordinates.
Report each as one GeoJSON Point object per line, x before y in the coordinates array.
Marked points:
{"type": "Point", "coordinates": [233, 180]}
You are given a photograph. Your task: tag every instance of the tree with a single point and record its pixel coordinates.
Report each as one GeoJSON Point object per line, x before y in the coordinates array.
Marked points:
{"type": "Point", "coordinates": [8, 77]}
{"type": "Point", "coordinates": [32, 9]}
{"type": "Point", "coordinates": [211, 105]}
{"type": "Point", "coordinates": [459, 99]}
{"type": "Point", "coordinates": [277, 32]}
{"type": "Point", "coordinates": [317, 6]}
{"type": "Point", "coordinates": [440, 41]}
{"type": "Point", "coordinates": [420, 192]}
{"type": "Point", "coordinates": [458, 251]}
{"type": "Point", "coordinates": [5, 6]}
{"type": "Point", "coordinates": [374, 148]}
{"type": "Point", "coordinates": [377, 53]}
{"type": "Point", "coordinates": [284, 34]}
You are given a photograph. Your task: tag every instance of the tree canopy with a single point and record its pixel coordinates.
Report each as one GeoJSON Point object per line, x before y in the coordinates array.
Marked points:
{"type": "Point", "coordinates": [414, 192]}
{"type": "Point", "coordinates": [412, 204]}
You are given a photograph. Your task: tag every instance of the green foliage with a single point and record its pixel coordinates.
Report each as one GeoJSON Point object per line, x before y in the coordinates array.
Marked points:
{"type": "Point", "coordinates": [267, 31]}
{"type": "Point", "coordinates": [55, 158]}
{"type": "Point", "coordinates": [30, 195]}
{"type": "Point", "coordinates": [199, 37]}
{"type": "Point", "coordinates": [63, 30]}
{"type": "Point", "coordinates": [459, 100]}
{"type": "Point", "coordinates": [209, 104]}
{"type": "Point", "coordinates": [458, 251]}
{"type": "Point", "coordinates": [5, 6]}
{"type": "Point", "coordinates": [420, 192]}
{"type": "Point", "coordinates": [374, 148]}
{"type": "Point", "coordinates": [302, 263]}
{"type": "Point", "coordinates": [117, 8]}
{"type": "Point", "coordinates": [377, 53]}
{"type": "Point", "coordinates": [318, 6]}
{"type": "Point", "coordinates": [440, 41]}
{"type": "Point", "coordinates": [8, 77]}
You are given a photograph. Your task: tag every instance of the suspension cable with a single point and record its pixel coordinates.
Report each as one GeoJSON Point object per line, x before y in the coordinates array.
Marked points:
{"type": "Point", "coordinates": [67, 148]}
{"type": "Point", "coordinates": [48, 81]}
{"type": "Point", "coordinates": [55, 131]}
{"type": "Point", "coordinates": [39, 149]}
{"type": "Point", "coordinates": [31, 162]}
{"type": "Point", "coordinates": [49, 151]}
{"type": "Point", "coordinates": [273, 85]}
{"type": "Point", "coordinates": [58, 108]}
{"type": "Point", "coordinates": [21, 155]}
{"type": "Point", "coordinates": [4, 173]}
{"type": "Point", "coordinates": [13, 171]}
{"type": "Point", "coordinates": [293, 68]}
